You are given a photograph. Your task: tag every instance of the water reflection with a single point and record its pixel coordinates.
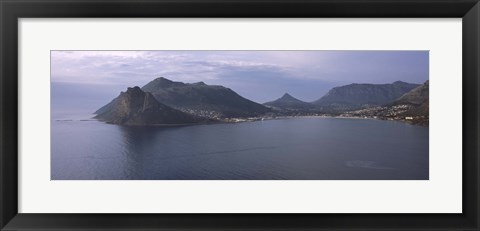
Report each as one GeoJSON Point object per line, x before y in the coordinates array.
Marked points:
{"type": "Point", "coordinates": [279, 149]}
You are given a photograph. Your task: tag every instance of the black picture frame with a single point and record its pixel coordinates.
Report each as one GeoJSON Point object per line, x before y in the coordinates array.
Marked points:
{"type": "Point", "coordinates": [12, 10]}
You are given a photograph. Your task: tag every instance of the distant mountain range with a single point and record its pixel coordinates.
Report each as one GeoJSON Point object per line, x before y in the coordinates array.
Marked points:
{"type": "Point", "coordinates": [348, 97]}
{"type": "Point", "coordinates": [355, 96]}
{"type": "Point", "coordinates": [412, 107]}
{"type": "Point", "coordinates": [163, 101]}
{"type": "Point", "coordinates": [136, 107]}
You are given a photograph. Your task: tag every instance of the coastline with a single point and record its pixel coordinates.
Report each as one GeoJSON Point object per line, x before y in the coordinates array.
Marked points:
{"type": "Point", "coordinates": [327, 116]}
{"type": "Point", "coordinates": [338, 117]}
{"type": "Point", "coordinates": [249, 119]}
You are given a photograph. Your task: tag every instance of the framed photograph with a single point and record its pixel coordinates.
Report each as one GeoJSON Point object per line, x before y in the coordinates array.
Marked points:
{"type": "Point", "coordinates": [251, 115]}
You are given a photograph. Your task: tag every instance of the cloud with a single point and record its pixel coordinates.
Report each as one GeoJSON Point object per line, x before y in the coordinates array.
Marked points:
{"type": "Point", "coordinates": [103, 67]}
{"type": "Point", "coordinates": [243, 71]}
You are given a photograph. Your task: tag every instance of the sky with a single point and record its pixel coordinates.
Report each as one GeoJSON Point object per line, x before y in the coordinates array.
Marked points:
{"type": "Point", "coordinates": [260, 76]}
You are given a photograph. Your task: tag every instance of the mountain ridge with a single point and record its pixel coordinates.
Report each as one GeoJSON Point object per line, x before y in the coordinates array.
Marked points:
{"type": "Point", "coordinates": [358, 95]}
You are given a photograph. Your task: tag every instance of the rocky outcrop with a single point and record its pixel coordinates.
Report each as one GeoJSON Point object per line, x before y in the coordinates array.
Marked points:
{"type": "Point", "coordinates": [136, 107]}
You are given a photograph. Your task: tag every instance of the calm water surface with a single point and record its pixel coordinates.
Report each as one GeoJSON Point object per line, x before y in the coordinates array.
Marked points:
{"type": "Point", "coordinates": [293, 149]}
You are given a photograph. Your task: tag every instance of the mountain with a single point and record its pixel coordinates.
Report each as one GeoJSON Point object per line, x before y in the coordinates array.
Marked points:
{"type": "Point", "coordinates": [204, 100]}
{"type": "Point", "coordinates": [356, 96]}
{"type": "Point", "coordinates": [136, 107]}
{"type": "Point", "coordinates": [288, 102]}
{"type": "Point", "coordinates": [417, 99]}
{"type": "Point", "coordinates": [411, 107]}
{"type": "Point", "coordinates": [416, 96]}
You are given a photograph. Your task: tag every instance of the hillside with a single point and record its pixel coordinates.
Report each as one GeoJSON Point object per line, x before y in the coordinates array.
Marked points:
{"type": "Point", "coordinates": [416, 96]}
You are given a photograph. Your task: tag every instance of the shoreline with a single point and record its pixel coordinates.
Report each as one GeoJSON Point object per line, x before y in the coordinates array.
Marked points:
{"type": "Point", "coordinates": [331, 117]}
{"type": "Point", "coordinates": [242, 120]}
